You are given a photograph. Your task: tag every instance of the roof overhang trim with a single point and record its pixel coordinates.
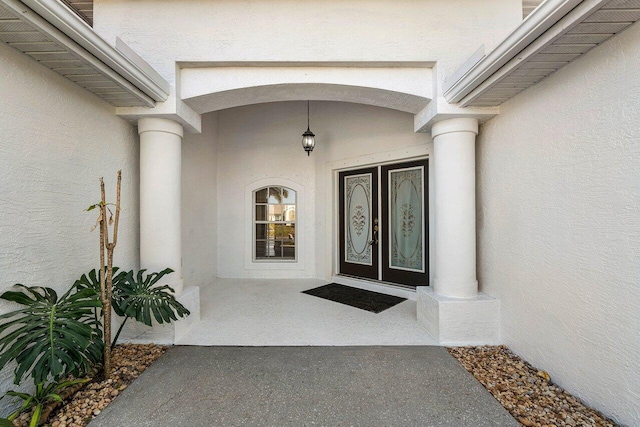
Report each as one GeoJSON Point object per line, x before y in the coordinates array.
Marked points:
{"type": "Point", "coordinates": [140, 74]}
{"type": "Point", "coordinates": [536, 24]}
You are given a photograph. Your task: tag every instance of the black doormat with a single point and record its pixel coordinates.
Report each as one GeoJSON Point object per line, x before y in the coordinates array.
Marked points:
{"type": "Point", "coordinates": [359, 298]}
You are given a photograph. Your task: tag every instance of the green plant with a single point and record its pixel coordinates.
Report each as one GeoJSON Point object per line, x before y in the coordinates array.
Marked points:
{"type": "Point", "coordinates": [50, 337]}
{"type": "Point", "coordinates": [136, 296]}
{"type": "Point", "coordinates": [91, 280]}
{"type": "Point", "coordinates": [42, 396]}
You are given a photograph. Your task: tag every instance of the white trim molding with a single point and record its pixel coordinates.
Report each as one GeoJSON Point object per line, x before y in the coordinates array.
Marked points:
{"type": "Point", "coordinates": [556, 33]}
{"type": "Point", "coordinates": [132, 81]}
{"type": "Point", "coordinates": [139, 73]}
{"type": "Point", "coordinates": [539, 21]}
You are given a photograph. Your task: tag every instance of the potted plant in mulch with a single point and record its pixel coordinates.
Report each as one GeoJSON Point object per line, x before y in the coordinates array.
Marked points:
{"type": "Point", "coordinates": [63, 342]}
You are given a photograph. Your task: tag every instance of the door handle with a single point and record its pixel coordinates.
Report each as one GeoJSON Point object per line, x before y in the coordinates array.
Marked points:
{"type": "Point", "coordinates": [374, 241]}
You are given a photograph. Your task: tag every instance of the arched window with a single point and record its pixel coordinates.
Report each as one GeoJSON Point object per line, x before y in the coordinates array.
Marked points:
{"type": "Point", "coordinates": [274, 218]}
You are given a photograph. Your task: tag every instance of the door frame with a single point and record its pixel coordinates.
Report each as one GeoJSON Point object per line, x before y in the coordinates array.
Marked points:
{"type": "Point", "coordinates": [331, 170]}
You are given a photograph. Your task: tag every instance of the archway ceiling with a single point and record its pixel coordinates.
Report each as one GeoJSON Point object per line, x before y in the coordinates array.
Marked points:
{"type": "Point", "coordinates": [307, 91]}
{"type": "Point", "coordinates": [209, 89]}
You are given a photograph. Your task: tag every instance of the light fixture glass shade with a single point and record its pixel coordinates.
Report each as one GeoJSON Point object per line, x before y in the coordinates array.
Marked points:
{"type": "Point", "coordinates": [308, 141]}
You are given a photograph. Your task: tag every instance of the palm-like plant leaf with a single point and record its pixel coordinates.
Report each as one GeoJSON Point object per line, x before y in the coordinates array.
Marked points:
{"type": "Point", "coordinates": [92, 281]}
{"type": "Point", "coordinates": [137, 296]}
{"type": "Point", "coordinates": [50, 336]}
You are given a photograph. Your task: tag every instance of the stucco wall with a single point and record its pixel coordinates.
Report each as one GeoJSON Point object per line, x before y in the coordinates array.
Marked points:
{"type": "Point", "coordinates": [199, 204]}
{"type": "Point", "coordinates": [559, 225]}
{"type": "Point", "coordinates": [261, 143]}
{"type": "Point", "coordinates": [56, 141]}
{"type": "Point", "coordinates": [447, 31]}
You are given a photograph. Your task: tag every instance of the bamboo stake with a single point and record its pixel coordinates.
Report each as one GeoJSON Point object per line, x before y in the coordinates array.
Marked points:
{"type": "Point", "coordinates": [105, 284]}
{"type": "Point", "coordinates": [110, 249]}
{"type": "Point", "coordinates": [101, 223]}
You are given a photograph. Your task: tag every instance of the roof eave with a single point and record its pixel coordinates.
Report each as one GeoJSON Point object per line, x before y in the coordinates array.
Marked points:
{"type": "Point", "coordinates": [539, 21]}
{"type": "Point", "coordinates": [138, 73]}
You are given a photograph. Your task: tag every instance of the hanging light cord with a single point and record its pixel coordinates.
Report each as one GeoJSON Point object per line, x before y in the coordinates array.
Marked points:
{"type": "Point", "coordinates": [308, 115]}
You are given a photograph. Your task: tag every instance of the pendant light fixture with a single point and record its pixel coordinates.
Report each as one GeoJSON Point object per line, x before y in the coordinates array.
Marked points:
{"type": "Point", "coordinates": [308, 138]}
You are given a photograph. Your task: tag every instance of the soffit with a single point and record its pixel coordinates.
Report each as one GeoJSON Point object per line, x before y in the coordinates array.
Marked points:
{"type": "Point", "coordinates": [83, 8]}
{"type": "Point", "coordinates": [566, 46]}
{"type": "Point", "coordinates": [528, 6]}
{"type": "Point", "coordinates": [20, 34]}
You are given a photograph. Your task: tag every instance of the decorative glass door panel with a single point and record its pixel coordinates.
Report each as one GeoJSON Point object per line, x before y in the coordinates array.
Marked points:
{"type": "Point", "coordinates": [406, 216]}
{"type": "Point", "coordinates": [358, 222]}
{"type": "Point", "coordinates": [358, 217]}
{"type": "Point", "coordinates": [405, 221]}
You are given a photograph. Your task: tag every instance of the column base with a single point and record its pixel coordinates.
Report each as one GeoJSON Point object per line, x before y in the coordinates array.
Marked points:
{"type": "Point", "coordinates": [459, 321]}
{"type": "Point", "coordinates": [138, 333]}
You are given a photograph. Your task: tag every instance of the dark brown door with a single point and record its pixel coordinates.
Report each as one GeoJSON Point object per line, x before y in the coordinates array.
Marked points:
{"type": "Point", "coordinates": [405, 216]}
{"type": "Point", "coordinates": [358, 206]}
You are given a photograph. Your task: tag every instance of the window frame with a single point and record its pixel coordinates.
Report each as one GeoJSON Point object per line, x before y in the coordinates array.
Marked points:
{"type": "Point", "coordinates": [255, 222]}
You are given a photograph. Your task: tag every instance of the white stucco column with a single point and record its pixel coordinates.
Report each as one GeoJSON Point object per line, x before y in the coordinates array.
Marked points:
{"type": "Point", "coordinates": [452, 311]}
{"type": "Point", "coordinates": [160, 198]}
{"type": "Point", "coordinates": [455, 207]}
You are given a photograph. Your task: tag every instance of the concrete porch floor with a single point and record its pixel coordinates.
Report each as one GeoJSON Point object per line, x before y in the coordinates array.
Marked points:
{"type": "Point", "coordinates": [274, 312]}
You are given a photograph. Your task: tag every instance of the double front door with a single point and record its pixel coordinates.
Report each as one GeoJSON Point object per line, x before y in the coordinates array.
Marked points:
{"type": "Point", "coordinates": [384, 223]}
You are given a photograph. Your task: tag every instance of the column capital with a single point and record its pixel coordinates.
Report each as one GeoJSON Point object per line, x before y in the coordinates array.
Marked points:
{"type": "Point", "coordinates": [156, 124]}
{"type": "Point", "coordinates": [462, 124]}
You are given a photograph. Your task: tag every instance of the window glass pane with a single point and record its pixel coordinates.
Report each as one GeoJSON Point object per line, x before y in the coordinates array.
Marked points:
{"type": "Point", "coordinates": [289, 212]}
{"type": "Point", "coordinates": [289, 233]}
{"type": "Point", "coordinates": [261, 231]}
{"type": "Point", "coordinates": [278, 249]}
{"type": "Point", "coordinates": [279, 230]}
{"type": "Point", "coordinates": [267, 249]}
{"type": "Point", "coordinates": [275, 195]}
{"type": "Point", "coordinates": [261, 212]}
{"type": "Point", "coordinates": [261, 249]}
{"type": "Point", "coordinates": [261, 195]}
{"type": "Point", "coordinates": [271, 249]}
{"type": "Point", "coordinates": [288, 243]}
{"type": "Point", "coordinates": [275, 212]}
{"type": "Point", "coordinates": [288, 196]}
{"type": "Point", "coordinates": [289, 252]}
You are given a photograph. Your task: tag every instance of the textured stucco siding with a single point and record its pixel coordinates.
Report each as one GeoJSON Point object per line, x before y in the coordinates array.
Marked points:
{"type": "Point", "coordinates": [199, 204]}
{"type": "Point", "coordinates": [559, 225]}
{"type": "Point", "coordinates": [447, 31]}
{"type": "Point", "coordinates": [56, 141]}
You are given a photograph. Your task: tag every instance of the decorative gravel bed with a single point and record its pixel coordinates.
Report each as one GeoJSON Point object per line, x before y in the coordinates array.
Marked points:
{"type": "Point", "coordinates": [128, 362]}
{"type": "Point", "coordinates": [526, 392]}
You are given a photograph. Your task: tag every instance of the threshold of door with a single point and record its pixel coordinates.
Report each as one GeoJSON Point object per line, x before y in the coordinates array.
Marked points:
{"type": "Point", "coordinates": [376, 286]}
